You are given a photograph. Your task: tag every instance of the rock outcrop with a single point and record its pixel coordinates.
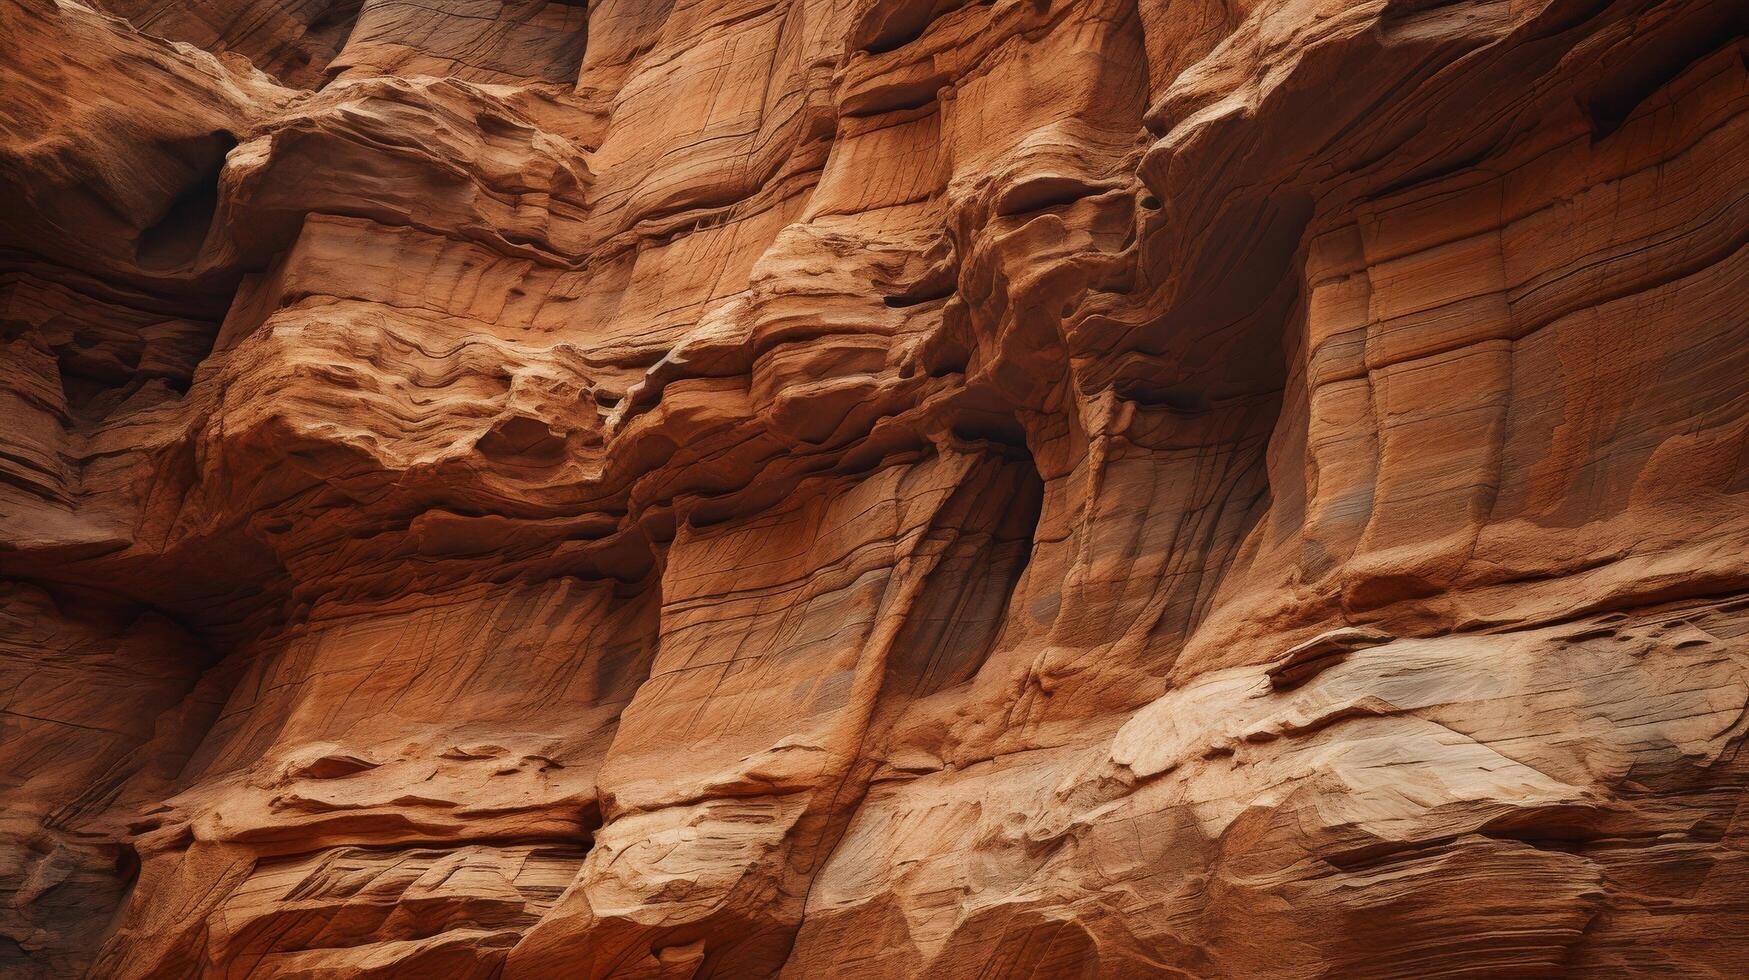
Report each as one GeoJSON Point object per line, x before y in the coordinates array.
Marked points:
{"type": "Point", "coordinates": [873, 488]}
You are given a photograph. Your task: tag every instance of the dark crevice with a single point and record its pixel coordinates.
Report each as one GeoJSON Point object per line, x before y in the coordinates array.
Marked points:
{"type": "Point", "coordinates": [323, 38]}
{"type": "Point", "coordinates": [1432, 172]}
{"type": "Point", "coordinates": [904, 23]}
{"type": "Point", "coordinates": [1004, 432]}
{"type": "Point", "coordinates": [175, 238]}
{"type": "Point", "coordinates": [959, 618]}
{"type": "Point", "coordinates": [1660, 60]}
{"type": "Point", "coordinates": [1151, 393]}
{"type": "Point", "coordinates": [1043, 194]}
{"type": "Point", "coordinates": [947, 360]}
{"type": "Point", "coordinates": [901, 302]}
{"type": "Point", "coordinates": [903, 99]}
{"type": "Point", "coordinates": [336, 16]}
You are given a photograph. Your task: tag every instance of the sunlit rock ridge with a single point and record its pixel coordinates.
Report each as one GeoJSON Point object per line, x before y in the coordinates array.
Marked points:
{"type": "Point", "coordinates": [868, 489]}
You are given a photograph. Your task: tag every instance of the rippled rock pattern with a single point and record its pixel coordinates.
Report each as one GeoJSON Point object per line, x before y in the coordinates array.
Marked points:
{"type": "Point", "coordinates": [874, 488]}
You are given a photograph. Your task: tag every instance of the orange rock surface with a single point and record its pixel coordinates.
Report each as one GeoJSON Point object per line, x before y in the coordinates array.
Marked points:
{"type": "Point", "coordinates": [874, 488]}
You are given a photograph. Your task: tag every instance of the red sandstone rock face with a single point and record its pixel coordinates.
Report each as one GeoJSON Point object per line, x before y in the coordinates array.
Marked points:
{"type": "Point", "coordinates": [873, 488]}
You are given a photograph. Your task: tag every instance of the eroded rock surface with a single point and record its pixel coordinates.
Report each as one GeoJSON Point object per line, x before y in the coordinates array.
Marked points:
{"type": "Point", "coordinates": [873, 488]}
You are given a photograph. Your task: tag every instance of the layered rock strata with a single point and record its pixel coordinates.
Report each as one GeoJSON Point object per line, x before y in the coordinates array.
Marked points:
{"type": "Point", "coordinates": [873, 488]}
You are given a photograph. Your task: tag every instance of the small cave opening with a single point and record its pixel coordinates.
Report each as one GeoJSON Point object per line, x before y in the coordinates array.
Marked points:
{"type": "Point", "coordinates": [175, 238]}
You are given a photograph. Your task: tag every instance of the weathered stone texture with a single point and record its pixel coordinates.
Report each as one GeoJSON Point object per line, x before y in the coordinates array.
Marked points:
{"type": "Point", "coordinates": [873, 488]}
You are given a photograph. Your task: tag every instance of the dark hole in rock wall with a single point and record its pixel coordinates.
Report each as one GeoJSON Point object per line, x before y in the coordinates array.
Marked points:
{"type": "Point", "coordinates": [175, 239]}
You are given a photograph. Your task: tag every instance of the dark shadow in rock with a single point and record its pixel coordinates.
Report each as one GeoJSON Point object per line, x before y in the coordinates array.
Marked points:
{"type": "Point", "coordinates": [175, 239]}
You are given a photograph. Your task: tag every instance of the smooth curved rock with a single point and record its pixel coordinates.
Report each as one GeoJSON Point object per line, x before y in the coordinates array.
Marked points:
{"type": "Point", "coordinates": [873, 488]}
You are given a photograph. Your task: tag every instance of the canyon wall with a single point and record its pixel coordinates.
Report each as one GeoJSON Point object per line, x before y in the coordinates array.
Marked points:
{"type": "Point", "coordinates": [874, 488]}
